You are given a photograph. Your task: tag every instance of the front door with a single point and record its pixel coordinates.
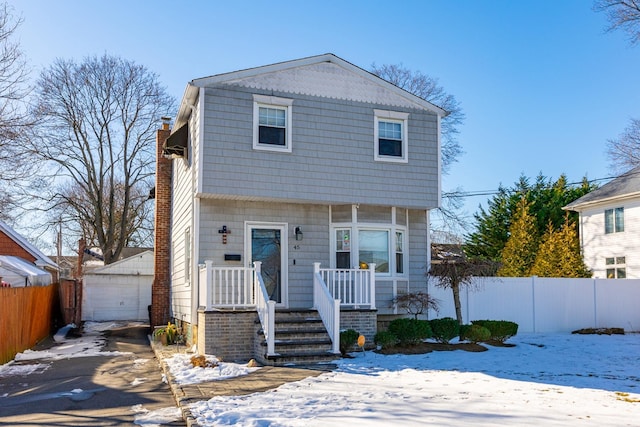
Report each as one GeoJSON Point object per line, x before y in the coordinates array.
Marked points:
{"type": "Point", "coordinates": [267, 244]}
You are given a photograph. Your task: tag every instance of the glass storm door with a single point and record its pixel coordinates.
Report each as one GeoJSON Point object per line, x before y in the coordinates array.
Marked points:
{"type": "Point", "coordinates": [266, 247]}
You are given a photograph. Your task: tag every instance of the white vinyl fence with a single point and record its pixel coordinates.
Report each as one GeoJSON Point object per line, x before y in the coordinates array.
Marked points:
{"type": "Point", "coordinates": [542, 305]}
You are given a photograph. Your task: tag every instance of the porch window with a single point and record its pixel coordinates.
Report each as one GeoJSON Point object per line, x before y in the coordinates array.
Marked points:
{"type": "Point", "coordinates": [343, 248]}
{"type": "Point", "coordinates": [614, 220]}
{"type": "Point", "coordinates": [390, 140]}
{"type": "Point", "coordinates": [272, 123]}
{"type": "Point", "coordinates": [616, 267]}
{"type": "Point", "coordinates": [399, 252]}
{"type": "Point", "coordinates": [374, 248]}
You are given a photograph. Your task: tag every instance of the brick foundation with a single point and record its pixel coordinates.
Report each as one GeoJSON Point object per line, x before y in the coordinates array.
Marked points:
{"type": "Point", "coordinates": [362, 321]}
{"type": "Point", "coordinates": [230, 335]}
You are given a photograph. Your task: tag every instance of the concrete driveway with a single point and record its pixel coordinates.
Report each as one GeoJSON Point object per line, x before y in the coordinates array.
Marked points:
{"type": "Point", "coordinates": [90, 391]}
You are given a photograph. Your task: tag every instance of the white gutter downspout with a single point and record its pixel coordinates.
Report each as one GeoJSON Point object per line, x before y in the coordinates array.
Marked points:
{"type": "Point", "coordinates": [196, 188]}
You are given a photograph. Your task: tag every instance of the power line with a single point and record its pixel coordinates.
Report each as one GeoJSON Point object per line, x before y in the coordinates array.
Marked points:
{"type": "Point", "coordinates": [476, 193]}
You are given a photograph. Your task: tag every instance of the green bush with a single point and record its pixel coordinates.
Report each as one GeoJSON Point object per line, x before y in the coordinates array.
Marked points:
{"type": "Point", "coordinates": [410, 331]}
{"type": "Point", "coordinates": [348, 339]}
{"type": "Point", "coordinates": [385, 339]}
{"type": "Point", "coordinates": [501, 330]}
{"type": "Point", "coordinates": [474, 333]}
{"type": "Point", "coordinates": [445, 329]}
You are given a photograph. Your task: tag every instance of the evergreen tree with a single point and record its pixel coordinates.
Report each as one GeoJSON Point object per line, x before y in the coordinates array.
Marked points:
{"type": "Point", "coordinates": [519, 252]}
{"type": "Point", "coordinates": [559, 253]}
{"type": "Point", "coordinates": [546, 199]}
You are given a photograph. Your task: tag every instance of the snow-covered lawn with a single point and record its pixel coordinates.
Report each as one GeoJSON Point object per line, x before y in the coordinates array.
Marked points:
{"type": "Point", "coordinates": [545, 380]}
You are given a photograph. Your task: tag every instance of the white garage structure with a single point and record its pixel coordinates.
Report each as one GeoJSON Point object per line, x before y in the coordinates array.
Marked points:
{"type": "Point", "coordinates": [119, 291]}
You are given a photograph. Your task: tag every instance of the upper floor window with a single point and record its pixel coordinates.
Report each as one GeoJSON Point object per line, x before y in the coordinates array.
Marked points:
{"type": "Point", "coordinates": [616, 267]}
{"type": "Point", "coordinates": [390, 136]}
{"type": "Point", "coordinates": [613, 220]}
{"type": "Point", "coordinates": [272, 123]}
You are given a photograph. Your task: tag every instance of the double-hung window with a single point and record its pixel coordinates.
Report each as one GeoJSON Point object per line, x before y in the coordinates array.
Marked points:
{"type": "Point", "coordinates": [272, 123]}
{"type": "Point", "coordinates": [390, 136]}
{"type": "Point", "coordinates": [614, 220]}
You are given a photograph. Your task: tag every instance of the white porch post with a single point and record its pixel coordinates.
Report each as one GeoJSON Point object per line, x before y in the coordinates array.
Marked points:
{"type": "Point", "coordinates": [206, 290]}
{"type": "Point", "coordinates": [372, 285]}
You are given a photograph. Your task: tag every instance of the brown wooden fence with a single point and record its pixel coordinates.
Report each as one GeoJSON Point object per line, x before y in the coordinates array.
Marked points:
{"type": "Point", "coordinates": [26, 316]}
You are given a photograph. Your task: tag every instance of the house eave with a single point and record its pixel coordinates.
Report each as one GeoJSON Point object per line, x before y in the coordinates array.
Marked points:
{"type": "Point", "coordinates": [580, 207]}
{"type": "Point", "coordinates": [328, 57]}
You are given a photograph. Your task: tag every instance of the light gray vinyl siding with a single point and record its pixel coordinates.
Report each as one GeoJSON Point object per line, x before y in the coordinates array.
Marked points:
{"type": "Point", "coordinates": [182, 214]}
{"type": "Point", "coordinates": [418, 230]}
{"type": "Point", "coordinates": [332, 160]}
{"type": "Point", "coordinates": [313, 219]}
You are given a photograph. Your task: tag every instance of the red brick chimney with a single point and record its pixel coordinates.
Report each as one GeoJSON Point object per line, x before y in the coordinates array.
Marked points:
{"type": "Point", "coordinates": [161, 287]}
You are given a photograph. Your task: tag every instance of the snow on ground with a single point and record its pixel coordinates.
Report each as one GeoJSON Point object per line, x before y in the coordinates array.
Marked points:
{"type": "Point", "coordinates": [184, 372]}
{"type": "Point", "coordinates": [158, 417]}
{"type": "Point", "coordinates": [89, 344]}
{"type": "Point", "coordinates": [550, 380]}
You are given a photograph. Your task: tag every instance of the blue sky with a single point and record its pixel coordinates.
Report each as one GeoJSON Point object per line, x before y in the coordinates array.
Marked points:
{"type": "Point", "coordinates": [542, 85]}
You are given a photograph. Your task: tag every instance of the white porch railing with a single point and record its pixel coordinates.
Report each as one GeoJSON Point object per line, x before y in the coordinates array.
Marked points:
{"type": "Point", "coordinates": [355, 288]}
{"type": "Point", "coordinates": [328, 308]}
{"type": "Point", "coordinates": [226, 287]}
{"type": "Point", "coordinates": [238, 287]}
{"type": "Point", "coordinates": [266, 309]}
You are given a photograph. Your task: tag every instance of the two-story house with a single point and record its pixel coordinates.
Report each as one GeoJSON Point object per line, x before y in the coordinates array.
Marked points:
{"type": "Point", "coordinates": [298, 190]}
{"type": "Point", "coordinates": [609, 227]}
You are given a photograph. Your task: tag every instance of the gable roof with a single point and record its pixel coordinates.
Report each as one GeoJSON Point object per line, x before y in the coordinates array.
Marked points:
{"type": "Point", "coordinates": [41, 259]}
{"type": "Point", "coordinates": [625, 186]}
{"type": "Point", "coordinates": [336, 77]}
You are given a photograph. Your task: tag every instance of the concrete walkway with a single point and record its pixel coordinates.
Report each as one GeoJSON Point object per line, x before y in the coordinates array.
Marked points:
{"type": "Point", "coordinates": [265, 378]}
{"type": "Point", "coordinates": [88, 391]}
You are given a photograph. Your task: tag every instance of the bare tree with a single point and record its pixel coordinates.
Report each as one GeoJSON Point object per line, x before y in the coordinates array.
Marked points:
{"type": "Point", "coordinates": [96, 133]}
{"type": "Point", "coordinates": [624, 152]}
{"type": "Point", "coordinates": [14, 120]}
{"type": "Point", "coordinates": [623, 15]}
{"type": "Point", "coordinates": [455, 272]}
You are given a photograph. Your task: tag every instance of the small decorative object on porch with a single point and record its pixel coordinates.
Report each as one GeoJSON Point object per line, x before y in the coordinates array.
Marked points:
{"type": "Point", "coordinates": [361, 341]}
{"type": "Point", "coordinates": [364, 265]}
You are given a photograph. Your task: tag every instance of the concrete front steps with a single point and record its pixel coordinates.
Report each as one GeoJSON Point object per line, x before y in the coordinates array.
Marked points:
{"type": "Point", "coordinates": [300, 339]}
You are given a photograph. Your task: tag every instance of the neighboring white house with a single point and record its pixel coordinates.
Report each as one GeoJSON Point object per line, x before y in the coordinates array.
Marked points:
{"type": "Point", "coordinates": [119, 291]}
{"type": "Point", "coordinates": [610, 227]}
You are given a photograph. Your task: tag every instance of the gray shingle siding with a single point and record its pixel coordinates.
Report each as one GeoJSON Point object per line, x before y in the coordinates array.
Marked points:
{"type": "Point", "coordinates": [332, 158]}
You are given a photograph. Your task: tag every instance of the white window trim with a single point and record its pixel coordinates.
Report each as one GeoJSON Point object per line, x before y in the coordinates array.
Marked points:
{"type": "Point", "coordinates": [272, 102]}
{"type": "Point", "coordinates": [391, 228]}
{"type": "Point", "coordinates": [391, 116]}
{"type": "Point", "coordinates": [615, 266]}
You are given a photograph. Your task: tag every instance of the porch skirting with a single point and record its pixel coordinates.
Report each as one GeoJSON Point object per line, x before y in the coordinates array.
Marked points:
{"type": "Point", "coordinates": [228, 334]}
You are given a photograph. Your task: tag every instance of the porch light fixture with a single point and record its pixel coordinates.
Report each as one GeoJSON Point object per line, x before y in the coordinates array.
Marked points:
{"type": "Point", "coordinates": [298, 233]}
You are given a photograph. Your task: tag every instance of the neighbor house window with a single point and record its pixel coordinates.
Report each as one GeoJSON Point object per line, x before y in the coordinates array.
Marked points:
{"type": "Point", "coordinates": [374, 248]}
{"type": "Point", "coordinates": [390, 136]}
{"type": "Point", "coordinates": [187, 255]}
{"type": "Point", "coordinates": [616, 267]}
{"type": "Point", "coordinates": [613, 220]}
{"type": "Point", "coordinates": [272, 123]}
{"type": "Point", "coordinates": [343, 248]}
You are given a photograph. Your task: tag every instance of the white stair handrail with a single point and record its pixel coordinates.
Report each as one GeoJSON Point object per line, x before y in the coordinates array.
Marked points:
{"type": "Point", "coordinates": [266, 309]}
{"type": "Point", "coordinates": [328, 308]}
